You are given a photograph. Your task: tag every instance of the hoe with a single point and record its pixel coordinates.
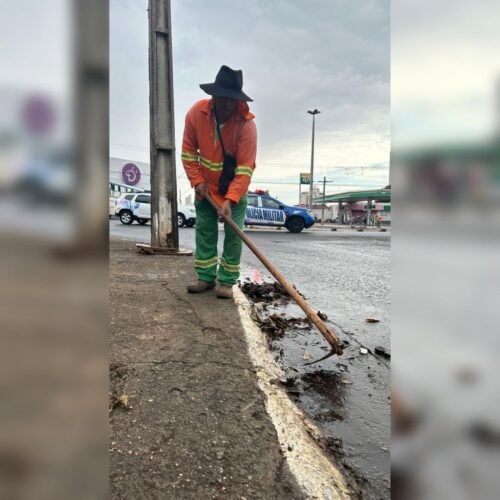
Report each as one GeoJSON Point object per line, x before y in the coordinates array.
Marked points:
{"type": "Point", "coordinates": [331, 338]}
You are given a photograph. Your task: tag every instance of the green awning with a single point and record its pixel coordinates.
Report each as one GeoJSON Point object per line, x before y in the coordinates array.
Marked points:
{"type": "Point", "coordinates": [352, 196]}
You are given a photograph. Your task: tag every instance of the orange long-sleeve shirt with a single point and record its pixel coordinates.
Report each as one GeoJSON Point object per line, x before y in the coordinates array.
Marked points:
{"type": "Point", "coordinates": [202, 155]}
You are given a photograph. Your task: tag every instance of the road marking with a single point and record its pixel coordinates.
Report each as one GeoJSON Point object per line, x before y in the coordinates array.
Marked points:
{"type": "Point", "coordinates": [315, 473]}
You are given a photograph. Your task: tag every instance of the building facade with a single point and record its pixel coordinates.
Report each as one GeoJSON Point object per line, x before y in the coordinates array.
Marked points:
{"type": "Point", "coordinates": [304, 195]}
{"type": "Point", "coordinates": [130, 172]}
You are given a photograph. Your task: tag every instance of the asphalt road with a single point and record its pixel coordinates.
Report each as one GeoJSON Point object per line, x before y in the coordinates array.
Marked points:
{"type": "Point", "coordinates": [344, 274]}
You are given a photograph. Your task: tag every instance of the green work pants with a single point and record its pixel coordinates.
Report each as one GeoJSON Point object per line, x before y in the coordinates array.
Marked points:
{"type": "Point", "coordinates": [207, 232]}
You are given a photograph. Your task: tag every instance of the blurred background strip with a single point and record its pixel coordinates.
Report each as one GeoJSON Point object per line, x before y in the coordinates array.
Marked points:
{"type": "Point", "coordinates": [445, 172]}
{"type": "Point", "coordinates": [53, 240]}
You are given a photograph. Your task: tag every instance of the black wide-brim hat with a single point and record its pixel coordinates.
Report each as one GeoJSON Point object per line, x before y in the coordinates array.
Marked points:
{"type": "Point", "coordinates": [228, 83]}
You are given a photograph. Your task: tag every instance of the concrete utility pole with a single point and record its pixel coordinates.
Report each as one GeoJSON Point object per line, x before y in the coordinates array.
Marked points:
{"type": "Point", "coordinates": [164, 230]}
{"type": "Point", "coordinates": [313, 113]}
{"type": "Point", "coordinates": [324, 194]}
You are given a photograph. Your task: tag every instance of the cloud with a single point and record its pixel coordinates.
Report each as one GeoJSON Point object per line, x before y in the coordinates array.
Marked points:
{"type": "Point", "coordinates": [295, 55]}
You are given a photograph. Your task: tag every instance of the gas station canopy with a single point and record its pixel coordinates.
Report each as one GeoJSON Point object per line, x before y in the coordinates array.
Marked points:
{"type": "Point", "coordinates": [382, 195]}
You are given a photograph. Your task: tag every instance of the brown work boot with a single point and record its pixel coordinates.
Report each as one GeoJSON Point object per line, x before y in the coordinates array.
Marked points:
{"type": "Point", "coordinates": [224, 291]}
{"type": "Point", "coordinates": [200, 286]}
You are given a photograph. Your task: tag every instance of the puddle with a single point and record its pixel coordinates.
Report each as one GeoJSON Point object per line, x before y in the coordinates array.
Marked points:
{"type": "Point", "coordinates": [338, 395]}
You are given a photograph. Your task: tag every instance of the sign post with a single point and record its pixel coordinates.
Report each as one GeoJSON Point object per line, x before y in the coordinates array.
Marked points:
{"type": "Point", "coordinates": [304, 178]}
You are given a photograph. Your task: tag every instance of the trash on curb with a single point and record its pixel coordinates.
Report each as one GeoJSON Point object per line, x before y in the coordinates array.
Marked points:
{"type": "Point", "coordinates": [118, 402]}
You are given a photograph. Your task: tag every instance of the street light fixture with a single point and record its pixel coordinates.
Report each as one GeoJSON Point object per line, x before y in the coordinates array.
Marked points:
{"type": "Point", "coordinates": [313, 113]}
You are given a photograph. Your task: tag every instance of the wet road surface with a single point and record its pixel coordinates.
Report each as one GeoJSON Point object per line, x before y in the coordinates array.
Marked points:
{"type": "Point", "coordinates": [344, 274]}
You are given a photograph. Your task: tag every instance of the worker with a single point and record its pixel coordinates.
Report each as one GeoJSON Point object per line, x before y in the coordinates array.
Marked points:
{"type": "Point", "coordinates": [218, 153]}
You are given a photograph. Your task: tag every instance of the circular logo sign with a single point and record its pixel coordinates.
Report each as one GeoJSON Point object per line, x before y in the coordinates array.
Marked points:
{"type": "Point", "coordinates": [131, 174]}
{"type": "Point", "coordinates": [38, 115]}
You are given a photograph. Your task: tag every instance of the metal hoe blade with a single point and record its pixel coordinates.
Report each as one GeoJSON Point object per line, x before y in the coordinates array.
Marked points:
{"type": "Point", "coordinates": [326, 356]}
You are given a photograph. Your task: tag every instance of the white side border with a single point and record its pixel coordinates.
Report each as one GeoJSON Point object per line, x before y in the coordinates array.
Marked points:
{"type": "Point", "coordinates": [314, 472]}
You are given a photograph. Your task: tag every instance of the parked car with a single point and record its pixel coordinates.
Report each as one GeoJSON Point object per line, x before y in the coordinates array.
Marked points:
{"type": "Point", "coordinates": [120, 205]}
{"type": "Point", "coordinates": [47, 178]}
{"type": "Point", "coordinates": [264, 210]}
{"type": "Point", "coordinates": [360, 219]}
{"type": "Point", "coordinates": [117, 190]}
{"type": "Point", "coordinates": [137, 206]}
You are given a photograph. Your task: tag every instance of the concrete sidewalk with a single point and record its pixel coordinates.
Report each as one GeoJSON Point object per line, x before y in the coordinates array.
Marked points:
{"type": "Point", "coordinates": [193, 423]}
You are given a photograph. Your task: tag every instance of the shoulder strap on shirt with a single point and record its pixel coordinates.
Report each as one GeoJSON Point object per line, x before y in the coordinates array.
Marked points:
{"type": "Point", "coordinates": [218, 133]}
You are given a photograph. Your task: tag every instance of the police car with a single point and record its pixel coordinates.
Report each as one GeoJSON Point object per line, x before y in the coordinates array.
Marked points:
{"type": "Point", "coordinates": [264, 210]}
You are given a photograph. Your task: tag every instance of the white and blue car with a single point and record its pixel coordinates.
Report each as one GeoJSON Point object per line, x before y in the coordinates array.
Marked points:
{"type": "Point", "coordinates": [264, 210]}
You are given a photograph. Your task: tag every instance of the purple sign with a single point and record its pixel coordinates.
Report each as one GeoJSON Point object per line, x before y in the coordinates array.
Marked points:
{"type": "Point", "coordinates": [38, 114]}
{"type": "Point", "coordinates": [131, 174]}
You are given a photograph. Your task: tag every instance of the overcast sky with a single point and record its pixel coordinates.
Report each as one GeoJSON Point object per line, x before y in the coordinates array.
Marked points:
{"type": "Point", "coordinates": [295, 55]}
{"type": "Point", "coordinates": [445, 71]}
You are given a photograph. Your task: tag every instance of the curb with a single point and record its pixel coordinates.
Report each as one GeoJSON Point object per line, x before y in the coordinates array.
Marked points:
{"type": "Point", "coordinates": [316, 475]}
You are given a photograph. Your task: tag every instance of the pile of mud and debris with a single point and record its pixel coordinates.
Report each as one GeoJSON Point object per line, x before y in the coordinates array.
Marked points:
{"type": "Point", "coordinates": [267, 299]}
{"type": "Point", "coordinates": [270, 292]}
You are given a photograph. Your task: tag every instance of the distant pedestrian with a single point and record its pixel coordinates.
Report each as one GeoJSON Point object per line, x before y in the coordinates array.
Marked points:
{"type": "Point", "coordinates": [378, 219]}
{"type": "Point", "coordinates": [218, 153]}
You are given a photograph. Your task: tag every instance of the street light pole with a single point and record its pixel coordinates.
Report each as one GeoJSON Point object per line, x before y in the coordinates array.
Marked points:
{"type": "Point", "coordinates": [323, 203]}
{"type": "Point", "coordinates": [311, 179]}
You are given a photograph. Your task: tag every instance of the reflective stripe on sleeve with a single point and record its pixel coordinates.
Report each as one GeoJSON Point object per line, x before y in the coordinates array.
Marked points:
{"type": "Point", "coordinates": [189, 156]}
{"type": "Point", "coordinates": [242, 170]}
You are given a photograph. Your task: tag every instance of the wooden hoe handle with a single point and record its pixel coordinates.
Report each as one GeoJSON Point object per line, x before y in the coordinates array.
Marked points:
{"type": "Point", "coordinates": [330, 337]}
